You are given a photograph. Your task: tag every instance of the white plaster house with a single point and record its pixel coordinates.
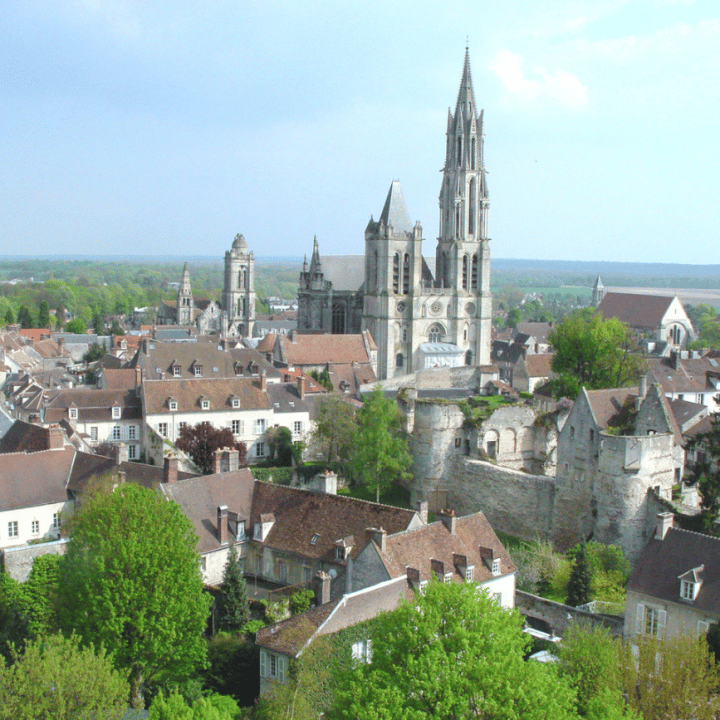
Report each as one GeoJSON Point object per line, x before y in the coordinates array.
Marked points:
{"type": "Point", "coordinates": [675, 587]}
{"type": "Point", "coordinates": [100, 416]}
{"type": "Point", "coordinates": [683, 376]}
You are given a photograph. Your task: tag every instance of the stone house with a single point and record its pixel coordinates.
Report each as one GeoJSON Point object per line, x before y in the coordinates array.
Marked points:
{"type": "Point", "coordinates": [675, 587]}
{"type": "Point", "coordinates": [687, 376]}
{"type": "Point", "coordinates": [615, 446]}
{"type": "Point", "coordinates": [531, 371]}
{"type": "Point", "coordinates": [451, 549]}
{"type": "Point", "coordinates": [533, 336]}
{"type": "Point", "coordinates": [656, 319]}
{"type": "Point", "coordinates": [100, 416]}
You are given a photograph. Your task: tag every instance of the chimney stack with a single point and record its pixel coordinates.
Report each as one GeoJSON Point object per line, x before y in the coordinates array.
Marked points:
{"type": "Point", "coordinates": [121, 450]}
{"type": "Point", "coordinates": [321, 588]}
{"type": "Point", "coordinates": [222, 521]}
{"type": "Point", "coordinates": [138, 377]}
{"type": "Point", "coordinates": [56, 438]}
{"type": "Point", "coordinates": [422, 510]}
{"type": "Point", "coordinates": [675, 359]}
{"type": "Point", "coordinates": [642, 386]}
{"type": "Point", "coordinates": [379, 535]}
{"type": "Point", "coordinates": [448, 519]}
{"type": "Point", "coordinates": [170, 470]}
{"type": "Point", "coordinates": [665, 521]}
{"type": "Point", "coordinates": [263, 381]}
{"type": "Point", "coordinates": [122, 477]}
{"type": "Point", "coordinates": [301, 386]}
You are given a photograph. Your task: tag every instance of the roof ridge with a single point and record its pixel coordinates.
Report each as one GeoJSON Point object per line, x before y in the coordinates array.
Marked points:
{"type": "Point", "coordinates": [694, 532]}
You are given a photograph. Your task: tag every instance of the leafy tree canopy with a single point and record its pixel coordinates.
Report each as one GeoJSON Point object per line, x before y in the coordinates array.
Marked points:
{"type": "Point", "coordinates": [705, 473]}
{"type": "Point", "coordinates": [233, 602]}
{"type": "Point", "coordinates": [56, 679]}
{"type": "Point", "coordinates": [381, 453]}
{"type": "Point", "coordinates": [335, 427]}
{"type": "Point", "coordinates": [595, 353]}
{"type": "Point", "coordinates": [130, 581]}
{"type": "Point", "coordinates": [450, 653]}
{"type": "Point", "coordinates": [76, 326]}
{"type": "Point", "coordinates": [200, 442]}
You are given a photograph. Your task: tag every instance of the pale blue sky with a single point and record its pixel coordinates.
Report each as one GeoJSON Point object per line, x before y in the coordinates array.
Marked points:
{"type": "Point", "coordinates": [164, 128]}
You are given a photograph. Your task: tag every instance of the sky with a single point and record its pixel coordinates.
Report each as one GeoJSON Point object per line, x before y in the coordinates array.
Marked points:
{"type": "Point", "coordinates": [130, 127]}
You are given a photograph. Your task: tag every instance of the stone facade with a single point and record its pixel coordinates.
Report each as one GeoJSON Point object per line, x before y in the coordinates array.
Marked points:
{"type": "Point", "coordinates": [417, 320]}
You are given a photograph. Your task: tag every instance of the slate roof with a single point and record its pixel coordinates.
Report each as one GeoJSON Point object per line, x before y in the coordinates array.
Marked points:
{"type": "Point", "coordinates": [638, 311]}
{"type": "Point", "coordinates": [323, 349]}
{"type": "Point", "coordinates": [290, 636]}
{"type": "Point", "coordinates": [285, 398]}
{"type": "Point", "coordinates": [505, 351]}
{"type": "Point", "coordinates": [538, 330]}
{"type": "Point", "coordinates": [39, 478]}
{"type": "Point", "coordinates": [94, 404]}
{"type": "Point", "coordinates": [345, 272]}
{"type": "Point", "coordinates": [662, 562]}
{"type": "Point", "coordinates": [416, 548]}
{"type": "Point", "coordinates": [216, 363]}
{"type": "Point", "coordinates": [201, 496]}
{"type": "Point", "coordinates": [684, 412]}
{"type": "Point", "coordinates": [300, 514]}
{"type": "Point", "coordinates": [704, 426]}
{"type": "Point", "coordinates": [395, 210]}
{"type": "Point", "coordinates": [218, 391]}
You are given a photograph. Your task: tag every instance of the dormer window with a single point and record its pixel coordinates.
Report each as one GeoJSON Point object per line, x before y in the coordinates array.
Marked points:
{"type": "Point", "coordinates": [236, 402]}
{"type": "Point", "coordinates": [73, 413]}
{"type": "Point", "coordinates": [447, 578]}
{"type": "Point", "coordinates": [197, 370]}
{"type": "Point", "coordinates": [237, 367]}
{"type": "Point", "coordinates": [172, 404]}
{"type": "Point", "coordinates": [116, 411]}
{"type": "Point", "coordinates": [205, 404]}
{"type": "Point", "coordinates": [176, 371]}
{"type": "Point", "coordinates": [314, 539]}
{"type": "Point", "coordinates": [254, 368]}
{"type": "Point", "coordinates": [340, 553]}
{"type": "Point", "coordinates": [496, 566]}
{"type": "Point", "coordinates": [423, 586]}
{"type": "Point", "coordinates": [469, 574]}
{"type": "Point", "coordinates": [687, 590]}
{"type": "Point", "coordinates": [690, 583]}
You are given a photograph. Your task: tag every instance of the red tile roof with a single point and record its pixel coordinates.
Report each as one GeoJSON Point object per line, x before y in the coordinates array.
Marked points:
{"type": "Point", "coordinates": [323, 349]}
{"type": "Point", "coordinates": [639, 311]}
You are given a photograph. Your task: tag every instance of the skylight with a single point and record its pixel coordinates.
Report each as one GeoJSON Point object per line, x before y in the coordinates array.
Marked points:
{"type": "Point", "coordinates": [314, 539]}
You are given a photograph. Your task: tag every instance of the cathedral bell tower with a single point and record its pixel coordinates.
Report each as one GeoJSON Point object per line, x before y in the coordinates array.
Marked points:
{"type": "Point", "coordinates": [463, 250]}
{"type": "Point", "coordinates": [185, 302]}
{"type": "Point", "coordinates": [239, 288]}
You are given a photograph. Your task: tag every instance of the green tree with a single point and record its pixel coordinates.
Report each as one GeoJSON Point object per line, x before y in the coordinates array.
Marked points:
{"type": "Point", "coordinates": [95, 352]}
{"type": "Point", "coordinates": [44, 314]}
{"type": "Point", "coordinates": [9, 316]}
{"type": "Point", "coordinates": [450, 653]}
{"type": "Point", "coordinates": [233, 602]}
{"type": "Point", "coordinates": [174, 707]}
{"type": "Point", "coordinates": [580, 582]}
{"type": "Point", "coordinates": [76, 326]}
{"type": "Point", "coordinates": [514, 316]}
{"type": "Point", "coordinates": [281, 444]}
{"type": "Point", "coordinates": [234, 661]}
{"type": "Point", "coordinates": [56, 679]}
{"type": "Point", "coordinates": [597, 353]}
{"type": "Point", "coordinates": [200, 442]}
{"type": "Point", "coordinates": [380, 454]}
{"type": "Point", "coordinates": [335, 427]}
{"type": "Point", "coordinates": [25, 317]}
{"type": "Point", "coordinates": [130, 581]}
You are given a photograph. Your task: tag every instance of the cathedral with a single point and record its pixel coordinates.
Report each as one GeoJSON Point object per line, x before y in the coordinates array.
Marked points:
{"type": "Point", "coordinates": [418, 320]}
{"type": "Point", "coordinates": [236, 317]}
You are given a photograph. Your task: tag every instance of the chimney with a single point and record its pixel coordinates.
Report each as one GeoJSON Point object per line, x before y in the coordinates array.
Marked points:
{"type": "Point", "coordinates": [675, 356]}
{"type": "Point", "coordinates": [122, 477]}
{"type": "Point", "coordinates": [56, 438]}
{"type": "Point", "coordinates": [642, 386]}
{"type": "Point", "coordinates": [121, 450]}
{"type": "Point", "coordinates": [61, 345]}
{"type": "Point", "coordinates": [448, 519]}
{"type": "Point", "coordinates": [170, 470]}
{"type": "Point", "coordinates": [222, 515]}
{"type": "Point", "coordinates": [217, 460]}
{"type": "Point", "coordinates": [301, 386]}
{"type": "Point", "coordinates": [321, 588]}
{"type": "Point", "coordinates": [263, 381]}
{"type": "Point", "coordinates": [138, 377]}
{"type": "Point", "coordinates": [379, 535]}
{"type": "Point", "coordinates": [664, 522]}
{"type": "Point", "coordinates": [422, 510]}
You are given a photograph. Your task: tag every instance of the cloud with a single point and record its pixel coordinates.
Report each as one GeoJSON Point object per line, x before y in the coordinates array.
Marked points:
{"type": "Point", "coordinates": [539, 86]}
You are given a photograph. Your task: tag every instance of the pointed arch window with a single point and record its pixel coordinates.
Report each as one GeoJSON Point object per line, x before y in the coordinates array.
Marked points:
{"type": "Point", "coordinates": [475, 271]}
{"type": "Point", "coordinates": [338, 319]}
{"type": "Point", "coordinates": [396, 273]}
{"type": "Point", "coordinates": [375, 270]}
{"type": "Point", "coordinates": [458, 217]}
{"type": "Point", "coordinates": [459, 151]}
{"type": "Point", "coordinates": [465, 269]}
{"type": "Point", "coordinates": [446, 270]}
{"type": "Point", "coordinates": [406, 274]}
{"type": "Point", "coordinates": [471, 208]}
{"type": "Point", "coordinates": [472, 153]}
{"type": "Point", "coordinates": [436, 333]}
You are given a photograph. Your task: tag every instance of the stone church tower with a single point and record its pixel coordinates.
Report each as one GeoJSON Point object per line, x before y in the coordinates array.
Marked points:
{"type": "Point", "coordinates": [239, 289]}
{"type": "Point", "coordinates": [185, 303]}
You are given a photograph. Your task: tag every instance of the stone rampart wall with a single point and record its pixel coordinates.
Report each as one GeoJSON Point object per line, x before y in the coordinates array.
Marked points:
{"type": "Point", "coordinates": [18, 561]}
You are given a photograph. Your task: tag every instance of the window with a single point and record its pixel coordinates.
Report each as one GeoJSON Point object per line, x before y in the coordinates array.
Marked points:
{"type": "Point", "coordinates": [181, 426]}
{"type": "Point", "coordinates": [132, 432]}
{"type": "Point", "coordinates": [260, 449]}
{"type": "Point", "coordinates": [572, 431]}
{"type": "Point", "coordinates": [197, 369]}
{"type": "Point", "coordinates": [13, 528]}
{"type": "Point", "coordinates": [116, 432]}
{"type": "Point", "coordinates": [236, 402]}
{"type": "Point", "coordinates": [340, 553]}
{"type": "Point", "coordinates": [162, 429]}
{"type": "Point", "coordinates": [35, 527]}
{"type": "Point", "coordinates": [362, 651]}
{"type": "Point", "coordinates": [687, 590]}
{"type": "Point", "coordinates": [396, 273]}
{"type": "Point", "coordinates": [307, 574]}
{"type": "Point", "coordinates": [650, 620]}
{"type": "Point", "coordinates": [435, 334]}
{"type": "Point", "coordinates": [172, 405]}
{"type": "Point", "coordinates": [469, 574]}
{"type": "Point", "coordinates": [93, 434]}
{"type": "Point", "coordinates": [176, 370]}
{"type": "Point", "coordinates": [496, 566]}
{"type": "Point", "coordinates": [314, 539]}
{"type": "Point", "coordinates": [423, 586]}
{"type": "Point", "coordinates": [592, 436]}
{"type": "Point", "coordinates": [57, 521]}
{"type": "Point", "coordinates": [404, 334]}
{"type": "Point", "coordinates": [282, 571]}
{"type": "Point", "coordinates": [447, 578]}
{"type": "Point", "coordinates": [132, 452]}
{"type": "Point", "coordinates": [237, 427]}
{"type": "Point", "coordinates": [272, 665]}
{"type": "Point", "coordinates": [399, 360]}
{"type": "Point", "coordinates": [205, 404]}
{"type": "Point", "coordinates": [406, 274]}
{"type": "Point", "coordinates": [260, 426]}
{"type": "Point", "coordinates": [458, 442]}
{"type": "Point", "coordinates": [297, 427]}
{"type": "Point", "coordinates": [73, 413]}
{"type": "Point", "coordinates": [116, 412]}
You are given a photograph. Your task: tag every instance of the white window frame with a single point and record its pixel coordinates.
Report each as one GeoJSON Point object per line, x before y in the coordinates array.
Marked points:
{"type": "Point", "coordinates": [650, 620]}
{"type": "Point", "coordinates": [259, 426]}
{"type": "Point", "coordinates": [35, 527]}
{"type": "Point", "coordinates": [362, 651]}
{"type": "Point", "coordinates": [205, 404]}
{"type": "Point", "coordinates": [177, 370]}
{"type": "Point", "coordinates": [13, 531]}
{"type": "Point", "coordinates": [132, 432]}
{"type": "Point", "coordinates": [162, 429]}
{"type": "Point", "coordinates": [447, 578]}
{"type": "Point", "coordinates": [116, 412]}
{"type": "Point", "coordinates": [198, 370]}
{"type": "Point", "coordinates": [496, 566]}
{"type": "Point", "coordinates": [132, 452]}
{"type": "Point", "coordinates": [93, 433]}
{"type": "Point", "coordinates": [423, 586]}
{"type": "Point", "coordinates": [73, 413]}
{"type": "Point", "coordinates": [172, 405]}
{"type": "Point", "coordinates": [272, 665]}
{"type": "Point", "coordinates": [297, 427]}
{"type": "Point", "coordinates": [57, 521]}
{"type": "Point", "coordinates": [237, 427]}
{"type": "Point", "coordinates": [260, 450]}
{"type": "Point", "coordinates": [470, 573]}
{"type": "Point", "coordinates": [116, 433]}
{"type": "Point", "coordinates": [687, 590]}
{"type": "Point", "coordinates": [236, 402]}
